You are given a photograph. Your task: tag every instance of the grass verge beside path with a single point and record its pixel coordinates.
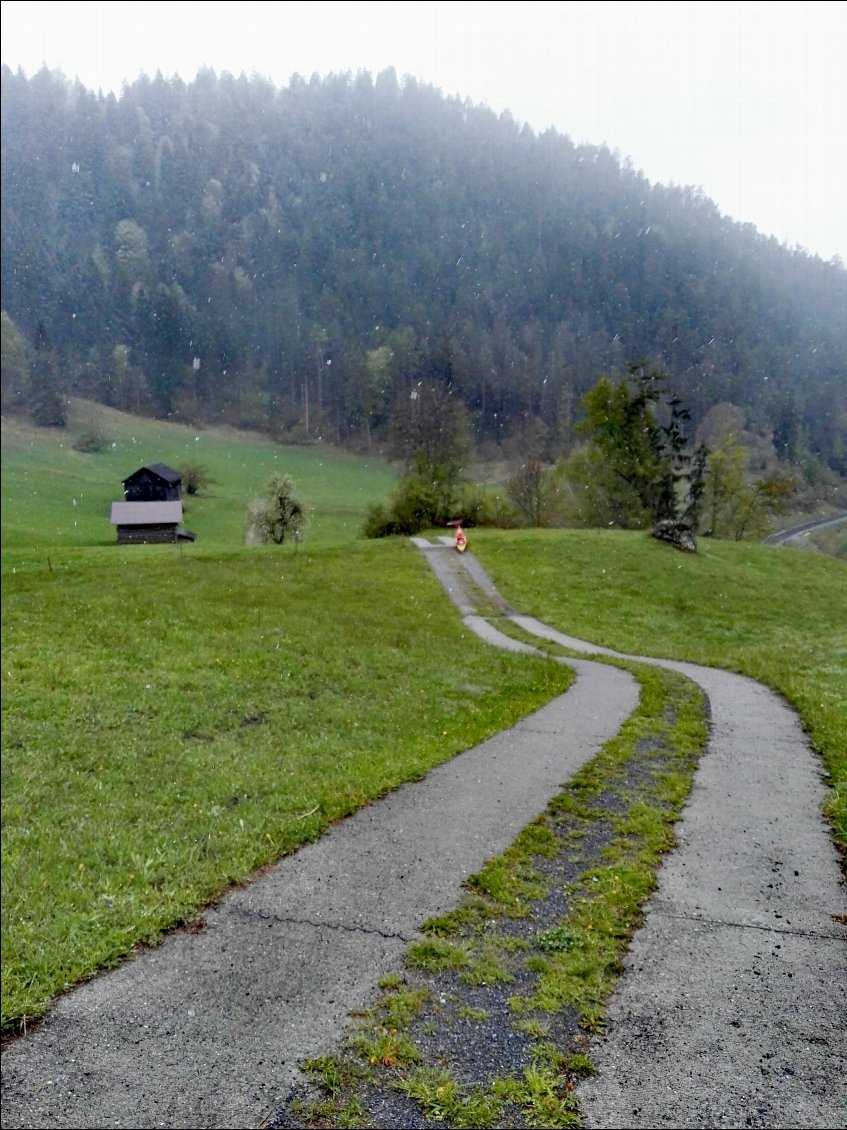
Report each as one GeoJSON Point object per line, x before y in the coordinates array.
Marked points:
{"type": "Point", "coordinates": [172, 723]}
{"type": "Point", "coordinates": [772, 613]}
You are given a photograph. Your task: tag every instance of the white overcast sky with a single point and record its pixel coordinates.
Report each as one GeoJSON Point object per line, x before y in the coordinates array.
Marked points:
{"type": "Point", "coordinates": [747, 101]}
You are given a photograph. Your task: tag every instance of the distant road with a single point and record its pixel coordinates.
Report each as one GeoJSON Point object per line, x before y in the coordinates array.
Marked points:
{"type": "Point", "coordinates": [785, 536]}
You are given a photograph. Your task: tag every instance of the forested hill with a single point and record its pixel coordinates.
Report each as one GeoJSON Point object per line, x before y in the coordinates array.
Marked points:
{"type": "Point", "coordinates": [292, 259]}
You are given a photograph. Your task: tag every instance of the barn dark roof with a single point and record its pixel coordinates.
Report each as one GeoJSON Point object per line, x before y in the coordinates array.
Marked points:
{"type": "Point", "coordinates": [146, 513]}
{"type": "Point", "coordinates": [162, 470]}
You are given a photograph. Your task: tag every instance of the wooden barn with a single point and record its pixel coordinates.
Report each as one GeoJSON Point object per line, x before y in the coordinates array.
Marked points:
{"type": "Point", "coordinates": [148, 523]}
{"type": "Point", "coordinates": [155, 483]}
{"type": "Point", "coordinates": [151, 512]}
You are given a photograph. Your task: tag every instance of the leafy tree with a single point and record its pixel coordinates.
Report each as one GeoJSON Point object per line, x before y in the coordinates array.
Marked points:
{"type": "Point", "coordinates": [776, 491]}
{"type": "Point", "coordinates": [430, 432]}
{"type": "Point", "coordinates": [620, 425]}
{"type": "Point", "coordinates": [644, 471]}
{"type": "Point", "coordinates": [597, 498]}
{"type": "Point", "coordinates": [132, 253]}
{"type": "Point", "coordinates": [733, 507]}
{"type": "Point", "coordinates": [431, 435]}
{"type": "Point", "coordinates": [279, 515]}
{"type": "Point", "coordinates": [534, 490]}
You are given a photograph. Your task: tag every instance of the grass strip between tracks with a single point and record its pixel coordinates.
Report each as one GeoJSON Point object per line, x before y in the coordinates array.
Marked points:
{"type": "Point", "coordinates": [489, 1022]}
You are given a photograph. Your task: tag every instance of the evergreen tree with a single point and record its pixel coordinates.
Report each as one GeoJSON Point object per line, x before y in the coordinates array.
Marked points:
{"type": "Point", "coordinates": [646, 469]}
{"type": "Point", "coordinates": [48, 406]}
{"type": "Point", "coordinates": [15, 367]}
{"type": "Point", "coordinates": [285, 237]}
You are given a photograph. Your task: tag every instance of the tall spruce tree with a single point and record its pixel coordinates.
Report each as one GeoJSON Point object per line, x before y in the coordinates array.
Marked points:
{"type": "Point", "coordinates": [646, 467]}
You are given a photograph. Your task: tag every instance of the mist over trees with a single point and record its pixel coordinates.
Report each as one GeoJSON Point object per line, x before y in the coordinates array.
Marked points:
{"type": "Point", "coordinates": [301, 260]}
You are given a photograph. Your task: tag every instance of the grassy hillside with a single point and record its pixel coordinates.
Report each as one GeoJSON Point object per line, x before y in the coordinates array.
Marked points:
{"type": "Point", "coordinates": [168, 730]}
{"type": "Point", "coordinates": [55, 495]}
{"type": "Point", "coordinates": [174, 719]}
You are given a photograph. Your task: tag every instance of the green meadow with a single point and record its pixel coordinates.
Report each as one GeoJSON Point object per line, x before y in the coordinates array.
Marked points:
{"type": "Point", "coordinates": [779, 617]}
{"type": "Point", "coordinates": [175, 717]}
{"type": "Point", "coordinates": [54, 495]}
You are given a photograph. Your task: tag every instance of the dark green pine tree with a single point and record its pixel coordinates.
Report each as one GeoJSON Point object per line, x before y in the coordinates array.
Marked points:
{"type": "Point", "coordinates": [48, 406]}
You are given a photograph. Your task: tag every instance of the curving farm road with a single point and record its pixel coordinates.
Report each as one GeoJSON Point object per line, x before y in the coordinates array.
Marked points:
{"type": "Point", "coordinates": [733, 1008]}
{"type": "Point", "coordinates": [731, 1012]}
{"type": "Point", "coordinates": [798, 533]}
{"type": "Point", "coordinates": [208, 1029]}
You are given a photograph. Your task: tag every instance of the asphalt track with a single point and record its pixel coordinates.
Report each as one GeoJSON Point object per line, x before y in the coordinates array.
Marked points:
{"type": "Point", "coordinates": [732, 1011]}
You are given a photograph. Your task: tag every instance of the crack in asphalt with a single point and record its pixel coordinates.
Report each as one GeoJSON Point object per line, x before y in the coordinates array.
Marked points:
{"type": "Point", "coordinates": [284, 920]}
{"type": "Point", "coordinates": [819, 935]}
